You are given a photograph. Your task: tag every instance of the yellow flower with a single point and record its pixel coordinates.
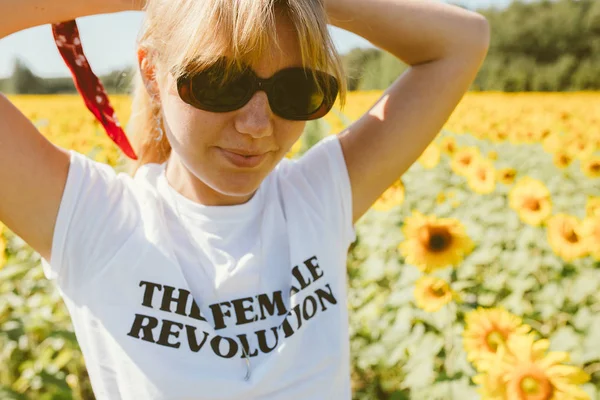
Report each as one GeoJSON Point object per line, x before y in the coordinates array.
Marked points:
{"type": "Point", "coordinates": [591, 235]}
{"type": "Point", "coordinates": [493, 155]}
{"type": "Point", "coordinates": [552, 143]}
{"type": "Point", "coordinates": [430, 157]}
{"type": "Point", "coordinates": [462, 159]}
{"type": "Point", "coordinates": [432, 243]}
{"type": "Point", "coordinates": [487, 329]}
{"type": "Point", "coordinates": [481, 177]}
{"type": "Point", "coordinates": [448, 145]}
{"type": "Point", "coordinates": [2, 251]}
{"type": "Point", "coordinates": [592, 206]}
{"type": "Point", "coordinates": [565, 237]}
{"type": "Point", "coordinates": [562, 158]}
{"type": "Point", "coordinates": [440, 198]}
{"type": "Point", "coordinates": [506, 175]}
{"type": "Point", "coordinates": [531, 200]}
{"type": "Point", "coordinates": [432, 293]}
{"type": "Point", "coordinates": [498, 135]}
{"type": "Point", "coordinates": [591, 167]}
{"type": "Point", "coordinates": [581, 146]}
{"type": "Point", "coordinates": [392, 197]}
{"type": "Point", "coordinates": [523, 370]}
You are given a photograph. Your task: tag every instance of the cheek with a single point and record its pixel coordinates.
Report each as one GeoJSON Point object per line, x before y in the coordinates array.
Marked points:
{"type": "Point", "coordinates": [190, 126]}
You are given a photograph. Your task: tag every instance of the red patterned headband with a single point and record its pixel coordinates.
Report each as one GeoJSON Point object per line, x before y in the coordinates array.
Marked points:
{"type": "Point", "coordinates": [91, 89]}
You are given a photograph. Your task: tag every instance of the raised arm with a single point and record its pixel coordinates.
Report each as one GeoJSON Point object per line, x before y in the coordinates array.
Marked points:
{"type": "Point", "coordinates": [33, 171]}
{"type": "Point", "coordinates": [445, 46]}
{"type": "Point", "coordinates": [18, 15]}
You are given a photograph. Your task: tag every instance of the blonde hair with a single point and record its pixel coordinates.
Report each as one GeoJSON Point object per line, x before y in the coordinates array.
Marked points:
{"type": "Point", "coordinates": [185, 36]}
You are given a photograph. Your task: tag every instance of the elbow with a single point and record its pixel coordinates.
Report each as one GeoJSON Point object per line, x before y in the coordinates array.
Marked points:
{"type": "Point", "coordinates": [473, 41]}
{"type": "Point", "coordinates": [479, 42]}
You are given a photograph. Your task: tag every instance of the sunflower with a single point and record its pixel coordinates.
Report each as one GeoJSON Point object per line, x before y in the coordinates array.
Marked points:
{"type": "Point", "coordinates": [531, 200]}
{"type": "Point", "coordinates": [506, 175]}
{"type": "Point", "coordinates": [440, 198]}
{"type": "Point", "coordinates": [592, 206]}
{"type": "Point", "coordinates": [432, 293]}
{"type": "Point", "coordinates": [392, 197]}
{"type": "Point", "coordinates": [432, 243]}
{"type": "Point", "coordinates": [462, 159]}
{"type": "Point", "coordinates": [486, 329]}
{"type": "Point", "coordinates": [523, 370]}
{"type": "Point", "coordinates": [591, 235]}
{"type": "Point", "coordinates": [448, 145]}
{"type": "Point", "coordinates": [562, 158]}
{"type": "Point", "coordinates": [430, 157]}
{"type": "Point", "coordinates": [591, 167]}
{"type": "Point", "coordinates": [565, 237]}
{"type": "Point", "coordinates": [481, 177]}
{"type": "Point", "coordinates": [553, 143]}
{"type": "Point", "coordinates": [581, 146]}
{"type": "Point", "coordinates": [2, 251]}
{"type": "Point", "coordinates": [498, 135]}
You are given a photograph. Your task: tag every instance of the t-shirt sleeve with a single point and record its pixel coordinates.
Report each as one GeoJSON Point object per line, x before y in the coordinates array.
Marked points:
{"type": "Point", "coordinates": [96, 215]}
{"type": "Point", "coordinates": [323, 167]}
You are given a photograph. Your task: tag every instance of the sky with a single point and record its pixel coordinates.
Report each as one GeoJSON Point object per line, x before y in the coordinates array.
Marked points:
{"type": "Point", "coordinates": [109, 42]}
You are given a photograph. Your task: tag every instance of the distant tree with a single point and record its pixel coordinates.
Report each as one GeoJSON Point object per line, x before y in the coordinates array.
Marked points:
{"type": "Point", "coordinates": [24, 81]}
{"type": "Point", "coordinates": [356, 62]}
{"type": "Point", "coordinates": [541, 46]}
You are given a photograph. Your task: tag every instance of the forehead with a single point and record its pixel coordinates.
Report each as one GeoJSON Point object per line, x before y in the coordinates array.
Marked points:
{"type": "Point", "coordinates": [281, 52]}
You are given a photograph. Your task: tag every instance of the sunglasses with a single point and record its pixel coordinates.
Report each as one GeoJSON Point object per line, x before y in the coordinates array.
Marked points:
{"type": "Point", "coordinates": [293, 93]}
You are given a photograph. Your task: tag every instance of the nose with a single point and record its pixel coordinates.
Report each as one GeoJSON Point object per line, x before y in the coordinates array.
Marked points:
{"type": "Point", "coordinates": [256, 117]}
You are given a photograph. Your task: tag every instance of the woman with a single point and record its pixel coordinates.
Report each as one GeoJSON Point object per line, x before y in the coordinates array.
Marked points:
{"type": "Point", "coordinates": [216, 269]}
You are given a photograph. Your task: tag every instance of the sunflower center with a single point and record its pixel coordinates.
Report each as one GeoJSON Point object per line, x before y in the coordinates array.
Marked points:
{"type": "Point", "coordinates": [466, 160]}
{"type": "Point", "coordinates": [536, 387]}
{"type": "Point", "coordinates": [532, 204]}
{"type": "Point", "coordinates": [494, 339]}
{"type": "Point", "coordinates": [530, 385]}
{"type": "Point", "coordinates": [436, 238]}
{"type": "Point", "coordinates": [571, 236]}
{"type": "Point", "coordinates": [438, 290]}
{"type": "Point", "coordinates": [481, 174]}
{"type": "Point", "coordinates": [595, 167]}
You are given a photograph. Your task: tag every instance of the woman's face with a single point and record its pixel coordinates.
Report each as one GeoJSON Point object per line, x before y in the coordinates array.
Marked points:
{"type": "Point", "coordinates": [197, 167]}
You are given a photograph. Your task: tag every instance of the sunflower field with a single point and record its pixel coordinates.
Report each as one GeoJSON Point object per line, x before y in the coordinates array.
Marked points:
{"type": "Point", "coordinates": [475, 276]}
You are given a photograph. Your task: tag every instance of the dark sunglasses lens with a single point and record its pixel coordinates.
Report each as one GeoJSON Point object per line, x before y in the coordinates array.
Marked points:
{"type": "Point", "coordinates": [296, 94]}
{"type": "Point", "coordinates": [211, 90]}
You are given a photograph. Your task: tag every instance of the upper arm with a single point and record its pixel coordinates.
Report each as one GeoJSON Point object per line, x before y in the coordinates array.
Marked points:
{"type": "Point", "coordinates": [383, 143]}
{"type": "Point", "coordinates": [33, 173]}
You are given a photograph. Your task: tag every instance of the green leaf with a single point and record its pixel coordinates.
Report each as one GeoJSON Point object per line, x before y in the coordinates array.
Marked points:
{"type": "Point", "coordinates": [564, 339]}
{"type": "Point", "coordinates": [7, 393]}
{"type": "Point", "coordinates": [420, 366]}
{"type": "Point", "coordinates": [583, 286]}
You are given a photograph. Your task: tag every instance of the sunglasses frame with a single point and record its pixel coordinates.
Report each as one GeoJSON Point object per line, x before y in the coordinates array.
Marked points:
{"type": "Point", "coordinates": [185, 90]}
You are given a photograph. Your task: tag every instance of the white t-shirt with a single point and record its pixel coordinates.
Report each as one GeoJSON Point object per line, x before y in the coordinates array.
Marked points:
{"type": "Point", "coordinates": [142, 298]}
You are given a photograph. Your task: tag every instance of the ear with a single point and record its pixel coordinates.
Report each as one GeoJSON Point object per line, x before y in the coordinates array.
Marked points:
{"type": "Point", "coordinates": [148, 72]}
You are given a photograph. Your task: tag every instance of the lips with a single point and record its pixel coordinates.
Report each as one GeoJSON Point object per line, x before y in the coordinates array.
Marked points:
{"type": "Point", "coordinates": [242, 161]}
{"type": "Point", "coordinates": [244, 153]}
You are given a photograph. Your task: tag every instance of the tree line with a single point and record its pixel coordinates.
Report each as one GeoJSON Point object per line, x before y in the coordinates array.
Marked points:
{"type": "Point", "coordinates": [535, 46]}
